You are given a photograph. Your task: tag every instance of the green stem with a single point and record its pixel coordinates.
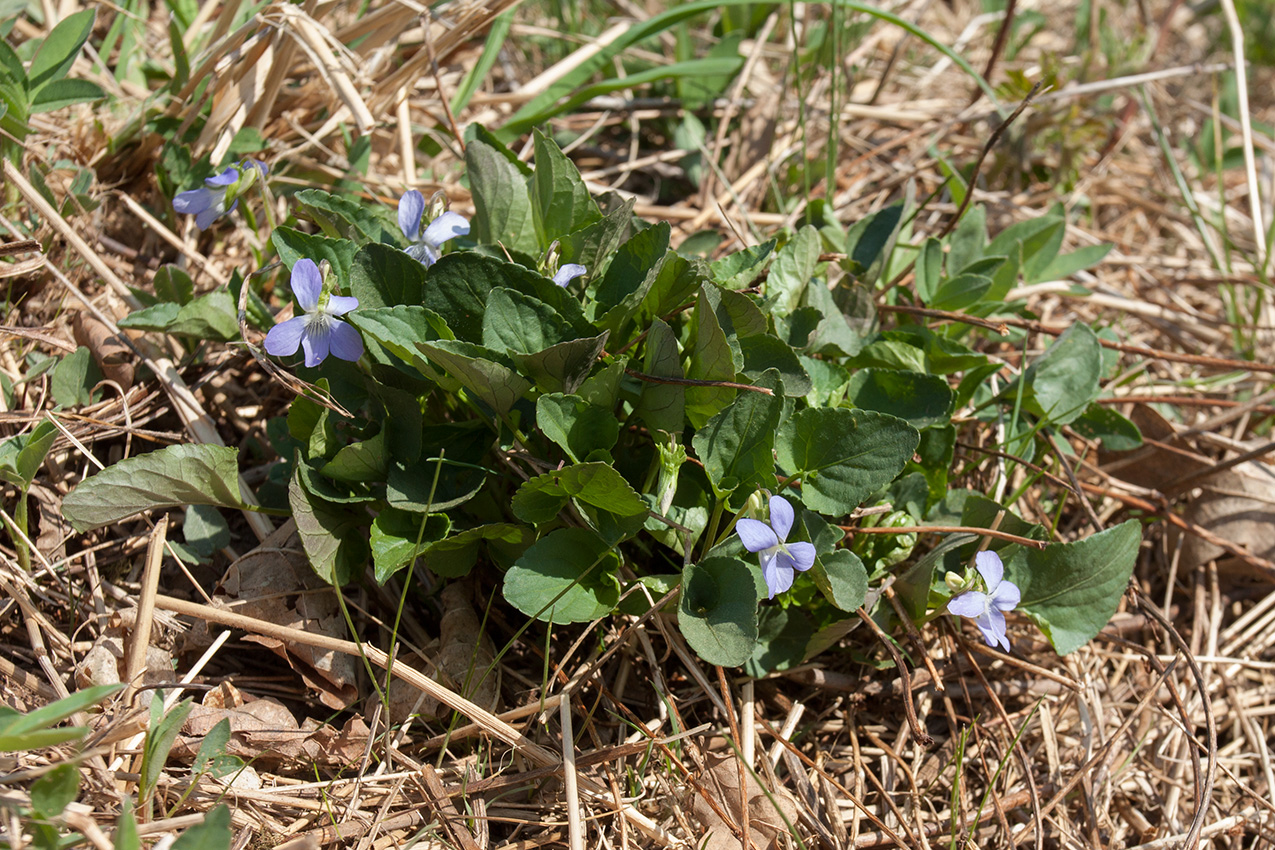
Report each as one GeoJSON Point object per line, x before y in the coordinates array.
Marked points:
{"type": "Point", "coordinates": [20, 532]}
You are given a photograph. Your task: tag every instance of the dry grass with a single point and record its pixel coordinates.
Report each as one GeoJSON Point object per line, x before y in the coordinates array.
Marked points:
{"type": "Point", "coordinates": [1156, 735]}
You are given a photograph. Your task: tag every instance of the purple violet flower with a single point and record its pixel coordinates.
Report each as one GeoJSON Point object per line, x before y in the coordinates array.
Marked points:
{"type": "Point", "coordinates": [987, 610]}
{"type": "Point", "coordinates": [427, 243]}
{"type": "Point", "coordinates": [780, 561]}
{"type": "Point", "coordinates": [208, 203]}
{"type": "Point", "coordinates": [318, 332]}
{"type": "Point", "coordinates": [568, 273]}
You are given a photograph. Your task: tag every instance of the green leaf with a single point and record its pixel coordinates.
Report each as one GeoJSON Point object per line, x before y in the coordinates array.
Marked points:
{"type": "Point", "coordinates": [1117, 433]}
{"type": "Point", "coordinates": [460, 282]}
{"type": "Point", "coordinates": [498, 386]}
{"type": "Point", "coordinates": [1065, 379]}
{"type": "Point", "coordinates": [841, 578]}
{"type": "Point", "coordinates": [737, 445]}
{"type": "Point", "coordinates": [21, 456]}
{"type": "Point", "coordinates": [59, 94]}
{"type": "Point", "coordinates": [568, 576]}
{"type": "Point", "coordinates": [11, 67]}
{"type": "Point", "coordinates": [163, 730]}
{"type": "Point", "coordinates": [634, 270]}
{"type": "Point", "coordinates": [662, 406]}
{"type": "Point", "coordinates": [365, 461]}
{"type": "Point", "coordinates": [211, 316]}
{"type": "Point", "coordinates": [1034, 243]}
{"type": "Point", "coordinates": [213, 746]}
{"type": "Point", "coordinates": [1071, 590]}
{"type": "Point", "coordinates": [294, 245]}
{"type": "Point", "coordinates": [205, 530]}
{"type": "Point", "coordinates": [738, 270]}
{"type": "Point", "coordinates": [1066, 265]}
{"type": "Point", "coordinates": [921, 399]}
{"type": "Point", "coordinates": [577, 426]}
{"type": "Point", "coordinates": [593, 485]}
{"type": "Point", "coordinates": [961, 291]}
{"type": "Point", "coordinates": [503, 213]}
{"type": "Point", "coordinates": [783, 635]}
{"type": "Point", "coordinates": [400, 537]}
{"type": "Point", "coordinates": [518, 323]}
{"type": "Point", "coordinates": [126, 837]}
{"type": "Point", "coordinates": [766, 351]}
{"type": "Point", "coordinates": [13, 723]}
{"type": "Point", "coordinates": [929, 269]}
{"type": "Point", "coordinates": [384, 276]}
{"type": "Point", "coordinates": [343, 218]}
{"type": "Point", "coordinates": [792, 270]}
{"type": "Point", "coordinates": [594, 246]}
{"type": "Point", "coordinates": [213, 833]}
{"type": "Point", "coordinates": [838, 333]}
{"type": "Point", "coordinates": [398, 329]}
{"type": "Point", "coordinates": [562, 367]}
{"type": "Point", "coordinates": [843, 456]}
{"type": "Point", "coordinates": [711, 360]}
{"type": "Point", "coordinates": [563, 203]}
{"type": "Point", "coordinates": [456, 556]}
{"type": "Point", "coordinates": [57, 52]}
{"type": "Point", "coordinates": [967, 242]}
{"type": "Point", "coordinates": [55, 790]}
{"type": "Point", "coordinates": [177, 475]}
{"type": "Point", "coordinates": [74, 378]}
{"type": "Point", "coordinates": [177, 49]}
{"type": "Point", "coordinates": [173, 283]}
{"type": "Point", "coordinates": [451, 455]}
{"type": "Point", "coordinates": [331, 535]}
{"type": "Point", "coordinates": [871, 241]}
{"type": "Point", "coordinates": [718, 610]}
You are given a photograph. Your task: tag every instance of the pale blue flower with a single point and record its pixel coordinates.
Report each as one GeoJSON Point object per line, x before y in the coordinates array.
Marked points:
{"type": "Point", "coordinates": [987, 610]}
{"type": "Point", "coordinates": [209, 203]}
{"type": "Point", "coordinates": [318, 332]}
{"type": "Point", "coordinates": [568, 273]}
{"type": "Point", "coordinates": [427, 243]}
{"type": "Point", "coordinates": [780, 561]}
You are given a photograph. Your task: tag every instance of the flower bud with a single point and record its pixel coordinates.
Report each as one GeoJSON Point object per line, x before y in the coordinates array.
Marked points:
{"type": "Point", "coordinates": [955, 582]}
{"type": "Point", "coordinates": [437, 205]}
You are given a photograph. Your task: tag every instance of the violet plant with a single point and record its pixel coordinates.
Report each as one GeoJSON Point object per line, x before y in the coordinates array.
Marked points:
{"type": "Point", "coordinates": [220, 193]}
{"type": "Point", "coordinates": [585, 438]}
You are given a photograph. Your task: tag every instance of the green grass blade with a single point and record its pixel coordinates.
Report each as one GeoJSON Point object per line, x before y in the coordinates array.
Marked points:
{"type": "Point", "coordinates": [542, 107]}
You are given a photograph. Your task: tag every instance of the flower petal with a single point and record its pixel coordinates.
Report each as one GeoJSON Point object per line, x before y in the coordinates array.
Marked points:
{"type": "Point", "coordinates": [1007, 596]}
{"type": "Point", "coordinates": [990, 568]}
{"type": "Point", "coordinates": [339, 305]}
{"type": "Point", "coordinates": [422, 253]}
{"type": "Point", "coordinates": [307, 284]}
{"type": "Point", "coordinates": [802, 556]}
{"type": "Point", "coordinates": [971, 603]}
{"type": "Point", "coordinates": [446, 227]}
{"type": "Point", "coordinates": [257, 164]}
{"type": "Point", "coordinates": [204, 218]}
{"type": "Point", "coordinates": [992, 625]}
{"type": "Point", "coordinates": [410, 209]}
{"type": "Point", "coordinates": [568, 273]}
{"type": "Point", "coordinates": [345, 341]}
{"type": "Point", "coordinates": [194, 201]}
{"type": "Point", "coordinates": [781, 516]}
{"type": "Point", "coordinates": [284, 339]}
{"type": "Point", "coordinates": [225, 178]}
{"type": "Point", "coordinates": [755, 535]}
{"type": "Point", "coordinates": [315, 343]}
{"type": "Point", "coordinates": [778, 575]}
